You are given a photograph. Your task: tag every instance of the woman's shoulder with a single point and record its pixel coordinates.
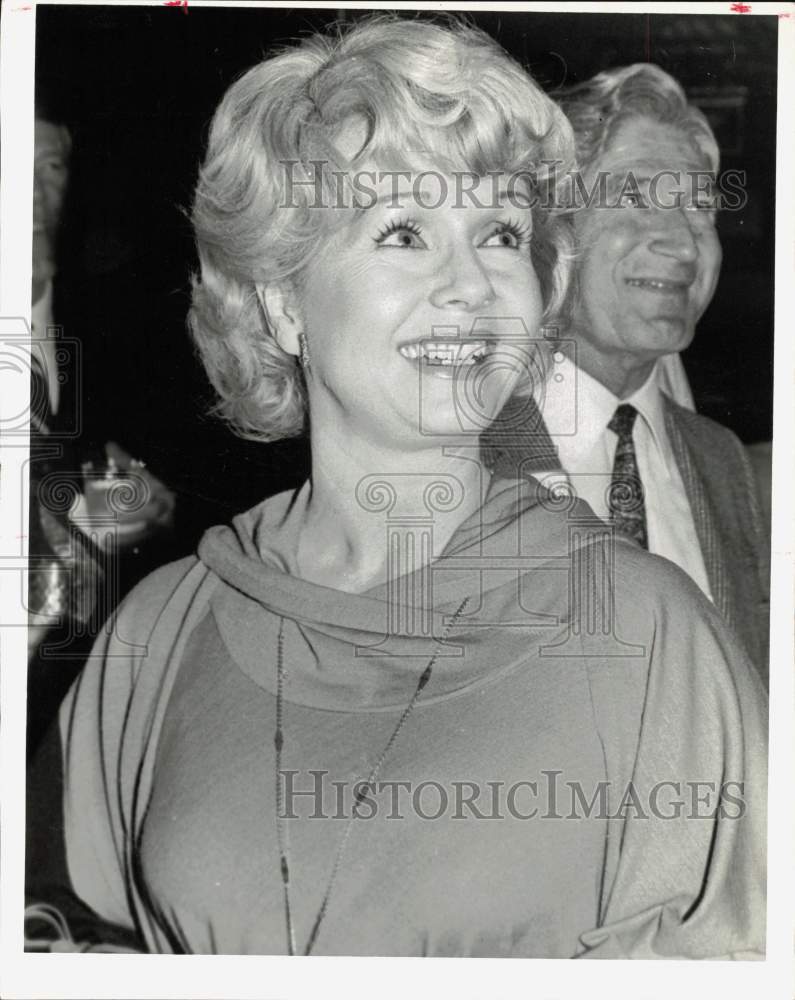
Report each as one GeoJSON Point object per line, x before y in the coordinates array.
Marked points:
{"type": "Point", "coordinates": [159, 585]}
{"type": "Point", "coordinates": [687, 645]}
{"type": "Point", "coordinates": [664, 669]}
{"type": "Point", "coordinates": [654, 586]}
{"type": "Point", "coordinates": [612, 577]}
{"type": "Point", "coordinates": [163, 598]}
{"type": "Point", "coordinates": [629, 605]}
{"type": "Point", "coordinates": [138, 647]}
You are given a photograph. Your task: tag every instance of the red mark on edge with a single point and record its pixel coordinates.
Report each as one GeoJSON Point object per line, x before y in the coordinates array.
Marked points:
{"type": "Point", "coordinates": [740, 8]}
{"type": "Point", "coordinates": [177, 3]}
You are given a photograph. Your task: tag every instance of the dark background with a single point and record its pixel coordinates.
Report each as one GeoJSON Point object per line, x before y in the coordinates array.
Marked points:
{"type": "Point", "coordinates": [137, 88]}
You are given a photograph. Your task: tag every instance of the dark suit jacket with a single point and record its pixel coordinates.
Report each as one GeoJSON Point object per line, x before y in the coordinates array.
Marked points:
{"type": "Point", "coordinates": [721, 488]}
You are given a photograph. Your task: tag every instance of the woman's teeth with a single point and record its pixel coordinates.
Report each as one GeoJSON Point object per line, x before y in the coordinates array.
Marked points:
{"type": "Point", "coordinates": [446, 353]}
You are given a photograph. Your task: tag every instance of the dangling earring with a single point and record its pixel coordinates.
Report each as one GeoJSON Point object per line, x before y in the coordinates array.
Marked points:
{"type": "Point", "coordinates": [304, 355]}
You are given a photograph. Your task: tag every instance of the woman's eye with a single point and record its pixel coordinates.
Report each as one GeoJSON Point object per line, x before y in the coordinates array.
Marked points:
{"type": "Point", "coordinates": [509, 235]}
{"type": "Point", "coordinates": [405, 235]}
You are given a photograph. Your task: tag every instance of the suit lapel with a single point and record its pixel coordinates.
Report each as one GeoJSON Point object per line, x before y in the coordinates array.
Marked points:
{"type": "Point", "coordinates": [705, 520]}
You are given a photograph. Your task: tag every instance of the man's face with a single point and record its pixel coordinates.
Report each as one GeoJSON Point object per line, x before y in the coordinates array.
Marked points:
{"type": "Point", "coordinates": [647, 273]}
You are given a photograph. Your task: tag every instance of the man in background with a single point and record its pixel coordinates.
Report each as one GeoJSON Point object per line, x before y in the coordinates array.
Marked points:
{"type": "Point", "coordinates": [75, 529]}
{"type": "Point", "coordinates": [648, 262]}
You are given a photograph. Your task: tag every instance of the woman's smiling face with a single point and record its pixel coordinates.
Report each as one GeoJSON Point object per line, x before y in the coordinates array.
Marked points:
{"type": "Point", "coordinates": [418, 310]}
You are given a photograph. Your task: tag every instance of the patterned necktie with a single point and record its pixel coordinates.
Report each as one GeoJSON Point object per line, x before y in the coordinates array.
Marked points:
{"type": "Point", "coordinates": [625, 498]}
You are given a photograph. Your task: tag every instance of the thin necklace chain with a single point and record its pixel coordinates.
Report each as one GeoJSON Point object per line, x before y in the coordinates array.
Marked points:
{"type": "Point", "coordinates": [363, 789]}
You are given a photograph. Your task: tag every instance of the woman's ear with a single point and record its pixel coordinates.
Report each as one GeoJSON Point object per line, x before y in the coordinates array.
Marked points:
{"type": "Point", "coordinates": [283, 315]}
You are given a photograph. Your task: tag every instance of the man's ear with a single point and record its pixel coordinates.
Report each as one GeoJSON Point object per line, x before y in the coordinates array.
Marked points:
{"type": "Point", "coordinates": [283, 315]}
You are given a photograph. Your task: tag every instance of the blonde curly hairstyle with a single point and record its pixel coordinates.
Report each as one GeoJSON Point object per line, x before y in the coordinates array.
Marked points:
{"type": "Point", "coordinates": [448, 89]}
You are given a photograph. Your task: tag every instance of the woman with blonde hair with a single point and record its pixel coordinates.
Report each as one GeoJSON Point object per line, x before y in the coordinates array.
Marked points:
{"type": "Point", "coordinates": [413, 707]}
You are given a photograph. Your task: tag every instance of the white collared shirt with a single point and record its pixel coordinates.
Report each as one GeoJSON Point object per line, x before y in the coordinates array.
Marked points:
{"type": "Point", "coordinates": [577, 409]}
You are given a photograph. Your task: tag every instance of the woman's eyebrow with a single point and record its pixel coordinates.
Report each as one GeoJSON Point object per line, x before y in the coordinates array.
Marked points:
{"type": "Point", "coordinates": [363, 203]}
{"type": "Point", "coordinates": [367, 197]}
{"type": "Point", "coordinates": [394, 199]}
{"type": "Point", "coordinates": [401, 198]}
{"type": "Point", "coordinates": [512, 196]}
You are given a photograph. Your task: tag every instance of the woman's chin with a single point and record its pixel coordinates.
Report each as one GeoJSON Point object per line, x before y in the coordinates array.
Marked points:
{"type": "Point", "coordinates": [454, 403]}
{"type": "Point", "coordinates": [455, 425]}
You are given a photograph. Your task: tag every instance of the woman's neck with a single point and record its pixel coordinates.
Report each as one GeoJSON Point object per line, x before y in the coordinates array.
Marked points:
{"type": "Point", "coordinates": [359, 495]}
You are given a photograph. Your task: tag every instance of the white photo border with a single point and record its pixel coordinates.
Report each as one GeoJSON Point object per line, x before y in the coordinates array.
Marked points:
{"type": "Point", "coordinates": [122, 976]}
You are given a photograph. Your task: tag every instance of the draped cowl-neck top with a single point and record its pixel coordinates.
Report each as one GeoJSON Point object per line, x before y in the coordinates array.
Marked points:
{"type": "Point", "coordinates": [582, 776]}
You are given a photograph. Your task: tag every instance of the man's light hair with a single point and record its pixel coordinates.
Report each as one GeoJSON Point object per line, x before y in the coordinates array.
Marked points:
{"type": "Point", "coordinates": [598, 107]}
{"type": "Point", "coordinates": [447, 92]}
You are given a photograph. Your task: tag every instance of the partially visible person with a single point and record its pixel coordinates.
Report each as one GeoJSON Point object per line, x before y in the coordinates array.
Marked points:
{"type": "Point", "coordinates": [649, 256]}
{"type": "Point", "coordinates": [80, 515]}
{"type": "Point", "coordinates": [65, 567]}
{"type": "Point", "coordinates": [52, 146]}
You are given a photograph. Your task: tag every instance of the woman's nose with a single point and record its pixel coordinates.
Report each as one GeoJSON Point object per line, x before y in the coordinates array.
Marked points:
{"type": "Point", "coordinates": [673, 235]}
{"type": "Point", "coordinates": [462, 282]}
